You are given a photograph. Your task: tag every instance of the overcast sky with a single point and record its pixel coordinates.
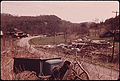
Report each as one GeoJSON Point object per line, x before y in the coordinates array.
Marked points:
{"type": "Point", "coordinates": [74, 11]}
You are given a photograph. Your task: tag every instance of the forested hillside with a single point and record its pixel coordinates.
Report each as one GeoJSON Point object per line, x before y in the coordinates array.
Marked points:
{"type": "Point", "coordinates": [51, 24]}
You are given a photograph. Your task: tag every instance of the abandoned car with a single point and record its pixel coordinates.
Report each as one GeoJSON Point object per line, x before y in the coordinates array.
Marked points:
{"type": "Point", "coordinates": [42, 67]}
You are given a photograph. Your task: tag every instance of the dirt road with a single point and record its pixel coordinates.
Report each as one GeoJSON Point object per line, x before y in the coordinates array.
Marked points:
{"type": "Point", "coordinates": [24, 43]}
{"type": "Point", "coordinates": [96, 72]}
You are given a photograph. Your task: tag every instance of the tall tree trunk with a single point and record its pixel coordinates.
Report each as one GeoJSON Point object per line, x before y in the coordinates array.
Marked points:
{"type": "Point", "coordinates": [113, 47]}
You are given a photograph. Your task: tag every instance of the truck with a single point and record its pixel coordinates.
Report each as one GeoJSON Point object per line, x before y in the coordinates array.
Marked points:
{"type": "Point", "coordinates": [42, 67]}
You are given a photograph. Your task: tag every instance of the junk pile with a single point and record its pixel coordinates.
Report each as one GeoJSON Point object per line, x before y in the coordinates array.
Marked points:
{"type": "Point", "coordinates": [99, 49]}
{"type": "Point", "coordinates": [89, 45]}
{"type": "Point", "coordinates": [91, 48]}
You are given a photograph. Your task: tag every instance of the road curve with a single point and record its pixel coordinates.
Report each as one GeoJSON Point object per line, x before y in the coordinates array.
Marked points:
{"type": "Point", "coordinates": [24, 42]}
{"type": "Point", "coordinates": [96, 72]}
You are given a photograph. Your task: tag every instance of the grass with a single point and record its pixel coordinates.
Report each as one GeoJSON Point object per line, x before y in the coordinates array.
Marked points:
{"type": "Point", "coordinates": [48, 40]}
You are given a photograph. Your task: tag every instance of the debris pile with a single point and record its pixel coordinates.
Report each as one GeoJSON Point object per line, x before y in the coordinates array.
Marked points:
{"type": "Point", "coordinates": [91, 48]}
{"type": "Point", "coordinates": [100, 50]}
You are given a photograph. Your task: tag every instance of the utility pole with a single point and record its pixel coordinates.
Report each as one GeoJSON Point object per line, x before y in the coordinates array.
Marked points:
{"type": "Point", "coordinates": [115, 12]}
{"type": "Point", "coordinates": [113, 39]}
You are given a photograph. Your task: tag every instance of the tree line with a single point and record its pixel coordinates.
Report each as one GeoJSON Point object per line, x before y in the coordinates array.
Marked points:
{"type": "Point", "coordinates": [51, 24]}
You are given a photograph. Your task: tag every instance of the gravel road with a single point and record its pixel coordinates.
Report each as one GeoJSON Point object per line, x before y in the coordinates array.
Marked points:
{"type": "Point", "coordinates": [96, 72]}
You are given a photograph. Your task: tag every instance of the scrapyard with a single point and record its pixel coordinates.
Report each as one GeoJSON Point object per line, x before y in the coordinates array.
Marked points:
{"type": "Point", "coordinates": [59, 40]}
{"type": "Point", "coordinates": [97, 48]}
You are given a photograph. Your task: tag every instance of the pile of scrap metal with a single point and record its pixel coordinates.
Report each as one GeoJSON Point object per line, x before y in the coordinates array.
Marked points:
{"type": "Point", "coordinates": [89, 45]}
{"type": "Point", "coordinates": [75, 46]}
{"type": "Point", "coordinates": [63, 48]}
{"type": "Point", "coordinates": [94, 43]}
{"type": "Point", "coordinates": [48, 46]}
{"type": "Point", "coordinates": [45, 46]}
{"type": "Point", "coordinates": [101, 44]}
{"type": "Point", "coordinates": [82, 40]}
